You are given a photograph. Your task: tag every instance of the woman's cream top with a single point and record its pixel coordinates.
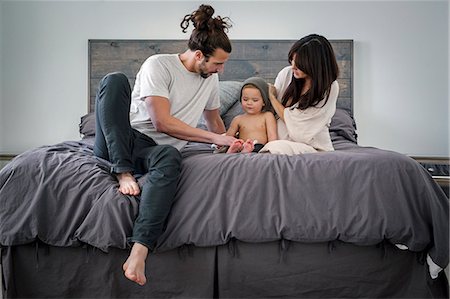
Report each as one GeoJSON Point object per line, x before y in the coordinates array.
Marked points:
{"type": "Point", "coordinates": [304, 130]}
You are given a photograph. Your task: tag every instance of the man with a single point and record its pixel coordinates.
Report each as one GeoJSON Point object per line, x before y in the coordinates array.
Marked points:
{"type": "Point", "coordinates": [170, 94]}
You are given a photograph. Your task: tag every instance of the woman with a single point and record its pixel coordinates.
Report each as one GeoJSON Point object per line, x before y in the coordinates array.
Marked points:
{"type": "Point", "coordinates": [308, 92]}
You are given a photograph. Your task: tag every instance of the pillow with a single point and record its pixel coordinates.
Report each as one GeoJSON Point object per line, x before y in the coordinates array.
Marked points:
{"type": "Point", "coordinates": [343, 124]}
{"type": "Point", "coordinates": [234, 111]}
{"type": "Point", "coordinates": [229, 93]}
{"type": "Point", "coordinates": [87, 125]}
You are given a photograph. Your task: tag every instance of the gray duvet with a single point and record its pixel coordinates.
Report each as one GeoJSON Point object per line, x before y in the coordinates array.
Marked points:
{"type": "Point", "coordinates": [64, 196]}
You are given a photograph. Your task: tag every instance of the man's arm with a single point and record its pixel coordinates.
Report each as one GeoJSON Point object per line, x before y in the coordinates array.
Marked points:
{"type": "Point", "coordinates": [159, 111]}
{"type": "Point", "coordinates": [213, 121]}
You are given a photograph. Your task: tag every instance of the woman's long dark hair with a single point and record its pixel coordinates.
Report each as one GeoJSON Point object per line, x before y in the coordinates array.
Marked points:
{"type": "Point", "coordinates": [209, 33]}
{"type": "Point", "coordinates": [314, 56]}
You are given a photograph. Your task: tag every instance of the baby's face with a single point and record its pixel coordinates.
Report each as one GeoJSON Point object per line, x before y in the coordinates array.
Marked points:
{"type": "Point", "coordinates": [252, 101]}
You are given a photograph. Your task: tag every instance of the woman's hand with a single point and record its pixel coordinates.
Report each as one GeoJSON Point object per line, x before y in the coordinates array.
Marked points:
{"type": "Point", "coordinates": [272, 90]}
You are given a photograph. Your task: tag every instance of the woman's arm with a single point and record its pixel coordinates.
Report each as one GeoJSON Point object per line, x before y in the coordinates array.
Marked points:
{"type": "Point", "coordinates": [277, 106]}
{"type": "Point", "coordinates": [271, 125]}
{"type": "Point", "coordinates": [159, 111]}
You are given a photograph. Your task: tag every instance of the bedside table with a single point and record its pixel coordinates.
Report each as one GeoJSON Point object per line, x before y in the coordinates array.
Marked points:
{"type": "Point", "coordinates": [5, 158]}
{"type": "Point", "coordinates": [438, 167]}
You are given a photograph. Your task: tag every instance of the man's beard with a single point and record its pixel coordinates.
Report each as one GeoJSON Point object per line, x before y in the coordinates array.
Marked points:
{"type": "Point", "coordinates": [204, 74]}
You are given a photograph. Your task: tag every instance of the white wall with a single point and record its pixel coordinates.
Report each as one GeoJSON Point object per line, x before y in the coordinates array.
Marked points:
{"type": "Point", "coordinates": [401, 60]}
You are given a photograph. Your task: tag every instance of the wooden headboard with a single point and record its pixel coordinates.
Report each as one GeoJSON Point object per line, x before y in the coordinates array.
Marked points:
{"type": "Point", "coordinates": [263, 58]}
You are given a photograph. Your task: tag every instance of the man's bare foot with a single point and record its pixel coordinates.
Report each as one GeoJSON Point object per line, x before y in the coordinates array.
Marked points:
{"type": "Point", "coordinates": [248, 146]}
{"type": "Point", "coordinates": [235, 147]}
{"type": "Point", "coordinates": [134, 267]}
{"type": "Point", "coordinates": [128, 184]}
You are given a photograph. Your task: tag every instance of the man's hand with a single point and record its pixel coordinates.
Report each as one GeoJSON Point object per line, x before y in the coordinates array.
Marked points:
{"type": "Point", "coordinates": [159, 111]}
{"type": "Point", "coordinates": [224, 140]}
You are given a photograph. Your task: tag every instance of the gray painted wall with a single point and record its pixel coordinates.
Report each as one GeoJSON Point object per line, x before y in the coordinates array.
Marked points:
{"type": "Point", "coordinates": [401, 62]}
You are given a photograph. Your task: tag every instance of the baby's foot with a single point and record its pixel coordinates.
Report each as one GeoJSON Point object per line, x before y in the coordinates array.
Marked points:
{"type": "Point", "coordinates": [235, 147]}
{"type": "Point", "coordinates": [248, 146]}
{"type": "Point", "coordinates": [134, 267]}
{"type": "Point", "coordinates": [128, 184]}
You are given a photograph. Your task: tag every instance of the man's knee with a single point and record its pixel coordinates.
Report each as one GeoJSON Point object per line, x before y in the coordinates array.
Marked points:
{"type": "Point", "coordinates": [165, 163]}
{"type": "Point", "coordinates": [115, 79]}
{"type": "Point", "coordinates": [167, 155]}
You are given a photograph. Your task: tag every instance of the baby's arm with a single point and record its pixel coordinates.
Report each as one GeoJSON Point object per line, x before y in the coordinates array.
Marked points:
{"type": "Point", "coordinates": [234, 127]}
{"type": "Point", "coordinates": [271, 126]}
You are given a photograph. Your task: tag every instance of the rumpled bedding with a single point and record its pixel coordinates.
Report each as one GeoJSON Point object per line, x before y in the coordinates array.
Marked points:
{"type": "Point", "coordinates": [64, 196]}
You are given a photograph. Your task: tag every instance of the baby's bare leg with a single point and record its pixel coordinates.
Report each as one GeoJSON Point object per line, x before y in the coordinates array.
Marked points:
{"type": "Point", "coordinates": [248, 146]}
{"type": "Point", "coordinates": [134, 267]}
{"type": "Point", "coordinates": [128, 184]}
{"type": "Point", "coordinates": [235, 147]}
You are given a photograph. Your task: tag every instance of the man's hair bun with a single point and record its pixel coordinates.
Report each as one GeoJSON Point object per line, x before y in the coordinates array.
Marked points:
{"type": "Point", "coordinates": [209, 32]}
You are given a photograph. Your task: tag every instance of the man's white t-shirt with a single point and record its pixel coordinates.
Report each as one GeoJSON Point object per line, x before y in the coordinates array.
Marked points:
{"type": "Point", "coordinates": [189, 95]}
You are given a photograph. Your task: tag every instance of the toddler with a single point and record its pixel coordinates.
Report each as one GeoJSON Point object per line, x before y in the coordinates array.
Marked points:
{"type": "Point", "coordinates": [257, 125]}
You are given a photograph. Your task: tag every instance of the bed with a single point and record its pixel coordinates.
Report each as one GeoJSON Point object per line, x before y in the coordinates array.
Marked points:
{"type": "Point", "coordinates": [356, 222]}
